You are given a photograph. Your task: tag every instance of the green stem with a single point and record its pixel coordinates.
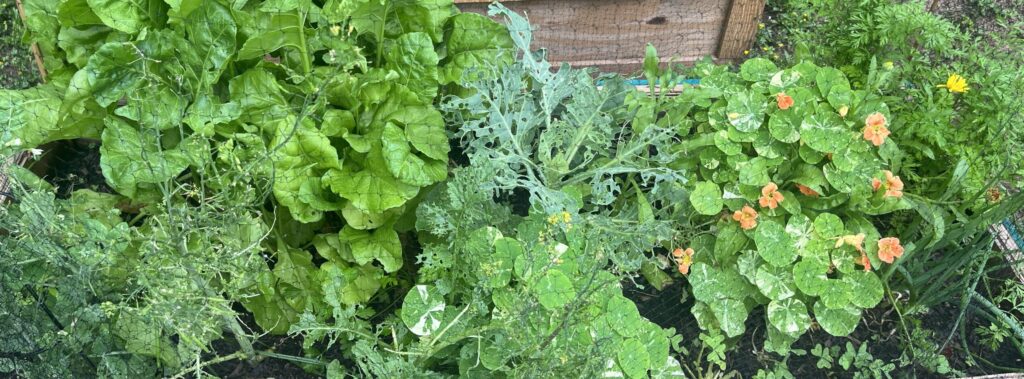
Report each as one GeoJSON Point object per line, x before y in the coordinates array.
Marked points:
{"type": "Point", "coordinates": [307, 66]}
{"type": "Point", "coordinates": [195, 369]}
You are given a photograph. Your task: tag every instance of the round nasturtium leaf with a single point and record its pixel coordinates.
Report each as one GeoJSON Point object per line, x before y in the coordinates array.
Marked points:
{"type": "Point", "coordinates": [745, 111]}
{"type": "Point", "coordinates": [422, 310]}
{"type": "Point", "coordinates": [554, 290]}
{"type": "Point", "coordinates": [785, 126]}
{"type": "Point", "coordinates": [838, 322]}
{"type": "Point", "coordinates": [731, 315]}
{"type": "Point", "coordinates": [789, 316]}
{"type": "Point", "coordinates": [837, 294]}
{"type": "Point", "coordinates": [828, 225]}
{"type": "Point", "coordinates": [706, 198]}
{"type": "Point", "coordinates": [774, 244]}
{"type": "Point", "coordinates": [758, 69]}
{"type": "Point", "coordinates": [726, 145]}
{"type": "Point", "coordinates": [810, 276]}
{"type": "Point", "coordinates": [633, 358]}
{"type": "Point", "coordinates": [755, 172]}
{"type": "Point", "coordinates": [825, 133]}
{"type": "Point", "coordinates": [865, 287]}
{"type": "Point", "coordinates": [775, 283]}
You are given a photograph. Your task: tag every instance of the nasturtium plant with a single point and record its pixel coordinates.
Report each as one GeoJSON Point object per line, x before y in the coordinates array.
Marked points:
{"type": "Point", "coordinates": [329, 105]}
{"type": "Point", "coordinates": [788, 154]}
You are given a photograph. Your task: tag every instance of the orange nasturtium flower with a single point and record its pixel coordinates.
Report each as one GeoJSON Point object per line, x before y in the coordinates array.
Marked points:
{"type": "Point", "coordinates": [889, 249]}
{"type": "Point", "coordinates": [746, 216]}
{"type": "Point", "coordinates": [874, 128]}
{"type": "Point", "coordinates": [683, 258]}
{"type": "Point", "coordinates": [864, 261]}
{"type": "Point", "coordinates": [893, 185]}
{"type": "Point", "coordinates": [855, 240]}
{"type": "Point", "coordinates": [784, 100]}
{"type": "Point", "coordinates": [807, 190]}
{"type": "Point", "coordinates": [770, 196]}
{"type": "Point", "coordinates": [955, 83]}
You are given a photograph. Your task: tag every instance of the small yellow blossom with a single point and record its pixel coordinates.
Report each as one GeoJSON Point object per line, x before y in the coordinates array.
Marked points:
{"type": "Point", "coordinates": [335, 30]}
{"type": "Point", "coordinates": [746, 52]}
{"type": "Point", "coordinates": [956, 84]}
{"type": "Point", "coordinates": [563, 217]}
{"type": "Point", "coordinates": [888, 65]}
{"type": "Point", "coordinates": [760, 26]}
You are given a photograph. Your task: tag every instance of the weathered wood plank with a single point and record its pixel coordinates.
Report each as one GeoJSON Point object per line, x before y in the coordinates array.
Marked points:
{"type": "Point", "coordinates": [739, 28]}
{"type": "Point", "coordinates": [611, 34]}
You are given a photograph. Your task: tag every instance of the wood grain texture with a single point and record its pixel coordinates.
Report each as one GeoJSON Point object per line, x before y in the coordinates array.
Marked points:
{"type": "Point", "coordinates": [611, 34]}
{"type": "Point", "coordinates": [739, 28]}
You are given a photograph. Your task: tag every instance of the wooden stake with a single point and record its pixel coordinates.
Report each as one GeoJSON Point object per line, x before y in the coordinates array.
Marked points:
{"type": "Point", "coordinates": [36, 54]}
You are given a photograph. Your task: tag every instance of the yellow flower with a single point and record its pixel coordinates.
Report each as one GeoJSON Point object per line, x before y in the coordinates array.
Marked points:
{"type": "Point", "coordinates": [335, 30]}
{"type": "Point", "coordinates": [746, 52]}
{"type": "Point", "coordinates": [760, 26]}
{"type": "Point", "coordinates": [888, 65]}
{"type": "Point", "coordinates": [955, 83]}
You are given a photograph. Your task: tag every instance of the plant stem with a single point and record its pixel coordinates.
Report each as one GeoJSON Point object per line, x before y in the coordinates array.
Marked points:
{"type": "Point", "coordinates": [195, 369]}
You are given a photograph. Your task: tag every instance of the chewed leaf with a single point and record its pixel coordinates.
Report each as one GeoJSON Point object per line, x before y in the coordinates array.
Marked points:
{"type": "Point", "coordinates": [706, 198]}
{"type": "Point", "coordinates": [422, 310]}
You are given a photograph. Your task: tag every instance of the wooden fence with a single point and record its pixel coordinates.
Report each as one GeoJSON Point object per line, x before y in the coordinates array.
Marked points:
{"type": "Point", "coordinates": [611, 34]}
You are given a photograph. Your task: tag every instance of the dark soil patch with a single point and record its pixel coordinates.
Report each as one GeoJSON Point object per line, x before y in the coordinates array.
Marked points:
{"type": "Point", "coordinates": [71, 165]}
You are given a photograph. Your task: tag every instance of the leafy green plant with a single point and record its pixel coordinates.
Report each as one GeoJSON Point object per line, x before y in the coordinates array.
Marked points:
{"type": "Point", "coordinates": [800, 251]}
{"type": "Point", "coordinates": [858, 360]}
{"type": "Point", "coordinates": [330, 105]}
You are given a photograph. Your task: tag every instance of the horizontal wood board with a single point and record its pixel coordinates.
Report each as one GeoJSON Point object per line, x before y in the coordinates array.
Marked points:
{"type": "Point", "coordinates": [612, 34]}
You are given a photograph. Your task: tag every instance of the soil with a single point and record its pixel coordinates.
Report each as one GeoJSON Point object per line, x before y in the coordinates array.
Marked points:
{"type": "Point", "coordinates": [71, 165]}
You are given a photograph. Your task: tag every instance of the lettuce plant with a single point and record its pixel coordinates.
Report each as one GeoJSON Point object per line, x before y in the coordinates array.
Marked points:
{"type": "Point", "coordinates": [329, 106]}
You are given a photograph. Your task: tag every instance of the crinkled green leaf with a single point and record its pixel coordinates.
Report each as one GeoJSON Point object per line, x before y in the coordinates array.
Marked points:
{"type": "Point", "coordinates": [406, 165]}
{"type": "Point", "coordinates": [131, 160]}
{"type": "Point", "coordinates": [380, 244]}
